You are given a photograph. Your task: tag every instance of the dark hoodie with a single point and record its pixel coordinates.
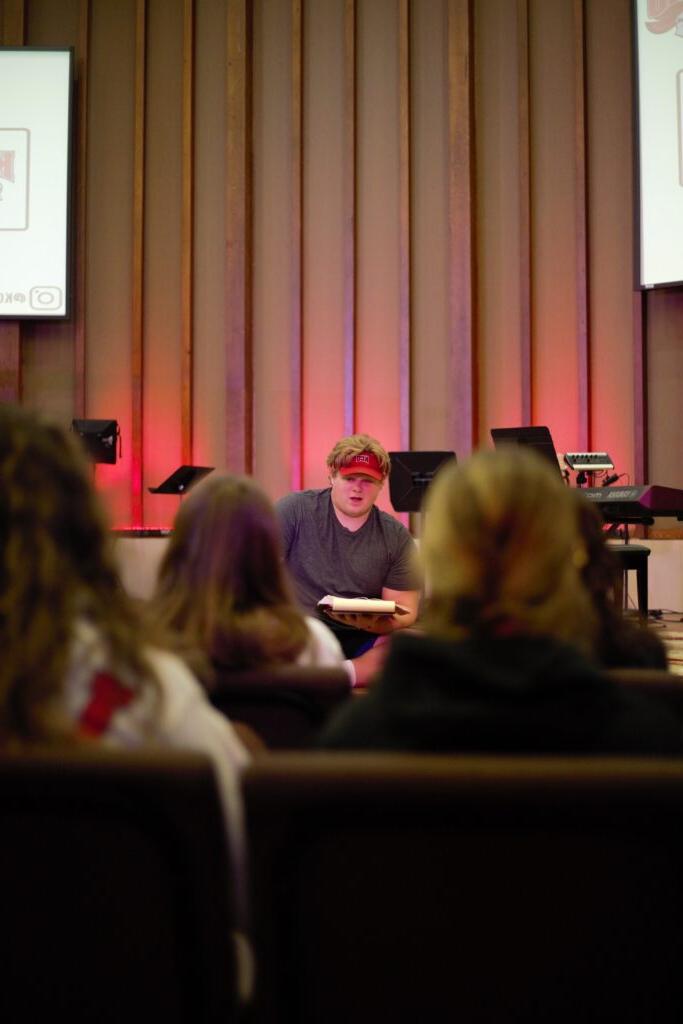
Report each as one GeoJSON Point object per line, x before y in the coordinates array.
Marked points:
{"type": "Point", "coordinates": [516, 694]}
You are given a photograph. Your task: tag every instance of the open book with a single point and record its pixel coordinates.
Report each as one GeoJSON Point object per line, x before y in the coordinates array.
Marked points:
{"type": "Point", "coordinates": [371, 605]}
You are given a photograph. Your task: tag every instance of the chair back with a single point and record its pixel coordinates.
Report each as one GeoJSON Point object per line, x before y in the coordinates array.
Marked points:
{"type": "Point", "coordinates": [657, 683]}
{"type": "Point", "coordinates": [116, 902]}
{"type": "Point", "coordinates": [286, 705]}
{"type": "Point", "coordinates": [443, 888]}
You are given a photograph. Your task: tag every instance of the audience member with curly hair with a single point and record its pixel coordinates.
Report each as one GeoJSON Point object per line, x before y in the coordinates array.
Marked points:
{"type": "Point", "coordinates": [76, 666]}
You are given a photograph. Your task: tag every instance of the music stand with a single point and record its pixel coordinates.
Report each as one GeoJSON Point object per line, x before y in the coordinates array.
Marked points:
{"type": "Point", "coordinates": [410, 476]}
{"type": "Point", "coordinates": [99, 438]}
{"type": "Point", "coordinates": [181, 480]}
{"type": "Point", "coordinates": [537, 438]}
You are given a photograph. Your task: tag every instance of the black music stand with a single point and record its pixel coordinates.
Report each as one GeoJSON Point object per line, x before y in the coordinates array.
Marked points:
{"type": "Point", "coordinates": [181, 480]}
{"type": "Point", "coordinates": [538, 438]}
{"type": "Point", "coordinates": [410, 476]}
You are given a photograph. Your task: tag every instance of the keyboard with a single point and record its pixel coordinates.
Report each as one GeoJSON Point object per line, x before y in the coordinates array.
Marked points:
{"type": "Point", "coordinates": [588, 461]}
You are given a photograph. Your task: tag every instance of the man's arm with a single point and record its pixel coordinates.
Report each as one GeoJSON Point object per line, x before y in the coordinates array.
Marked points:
{"type": "Point", "coordinates": [403, 581]}
{"type": "Point", "coordinates": [404, 568]}
{"type": "Point", "coordinates": [409, 599]}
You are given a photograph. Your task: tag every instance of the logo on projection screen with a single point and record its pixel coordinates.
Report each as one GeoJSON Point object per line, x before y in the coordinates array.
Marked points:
{"type": "Point", "coordinates": [14, 168]}
{"type": "Point", "coordinates": [665, 15]}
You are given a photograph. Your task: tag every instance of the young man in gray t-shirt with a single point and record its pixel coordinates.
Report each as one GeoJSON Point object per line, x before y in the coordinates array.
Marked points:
{"type": "Point", "coordinates": [337, 542]}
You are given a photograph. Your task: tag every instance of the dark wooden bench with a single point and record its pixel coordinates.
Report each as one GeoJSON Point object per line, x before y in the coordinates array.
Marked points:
{"type": "Point", "coordinates": [424, 888]}
{"type": "Point", "coordinates": [116, 900]}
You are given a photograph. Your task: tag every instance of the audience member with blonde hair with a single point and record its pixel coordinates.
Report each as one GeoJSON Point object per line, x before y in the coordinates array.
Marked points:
{"type": "Point", "coordinates": [75, 664]}
{"type": "Point", "coordinates": [223, 589]}
{"type": "Point", "coordinates": [505, 660]}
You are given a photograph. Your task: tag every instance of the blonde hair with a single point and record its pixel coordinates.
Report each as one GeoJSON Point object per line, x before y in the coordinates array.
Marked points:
{"type": "Point", "coordinates": [222, 587]}
{"type": "Point", "coordinates": [502, 550]}
{"type": "Point", "coordinates": [56, 567]}
{"type": "Point", "coordinates": [356, 444]}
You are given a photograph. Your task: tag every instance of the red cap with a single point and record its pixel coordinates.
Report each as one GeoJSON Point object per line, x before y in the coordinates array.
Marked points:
{"type": "Point", "coordinates": [366, 464]}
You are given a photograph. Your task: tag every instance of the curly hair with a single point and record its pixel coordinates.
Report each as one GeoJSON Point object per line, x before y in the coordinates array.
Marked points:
{"type": "Point", "coordinates": [503, 550]}
{"type": "Point", "coordinates": [356, 444]}
{"type": "Point", "coordinates": [222, 587]}
{"type": "Point", "coordinates": [56, 567]}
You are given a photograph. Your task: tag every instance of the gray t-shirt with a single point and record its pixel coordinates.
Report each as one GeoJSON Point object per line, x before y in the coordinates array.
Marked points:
{"type": "Point", "coordinates": [324, 557]}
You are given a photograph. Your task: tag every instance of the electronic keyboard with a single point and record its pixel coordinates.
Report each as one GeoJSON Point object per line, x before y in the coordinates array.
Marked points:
{"type": "Point", "coordinates": [630, 502]}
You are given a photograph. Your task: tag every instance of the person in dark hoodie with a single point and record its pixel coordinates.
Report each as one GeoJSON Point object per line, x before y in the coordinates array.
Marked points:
{"type": "Point", "coordinates": [505, 662]}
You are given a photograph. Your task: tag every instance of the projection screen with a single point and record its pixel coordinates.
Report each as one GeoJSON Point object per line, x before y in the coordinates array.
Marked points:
{"type": "Point", "coordinates": [35, 132]}
{"type": "Point", "coordinates": [659, 52]}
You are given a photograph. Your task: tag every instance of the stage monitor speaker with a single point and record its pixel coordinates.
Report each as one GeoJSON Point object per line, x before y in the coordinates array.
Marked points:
{"type": "Point", "coordinates": [99, 438]}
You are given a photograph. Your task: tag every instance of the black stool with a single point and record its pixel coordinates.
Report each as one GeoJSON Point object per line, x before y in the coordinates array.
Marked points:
{"type": "Point", "coordinates": [631, 557]}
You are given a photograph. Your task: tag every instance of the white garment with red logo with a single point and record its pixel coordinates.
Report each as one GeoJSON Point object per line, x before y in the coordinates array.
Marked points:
{"type": "Point", "coordinates": [97, 698]}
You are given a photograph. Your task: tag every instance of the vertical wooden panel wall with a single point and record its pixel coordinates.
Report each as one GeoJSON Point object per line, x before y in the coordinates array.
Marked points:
{"type": "Point", "coordinates": [298, 218]}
